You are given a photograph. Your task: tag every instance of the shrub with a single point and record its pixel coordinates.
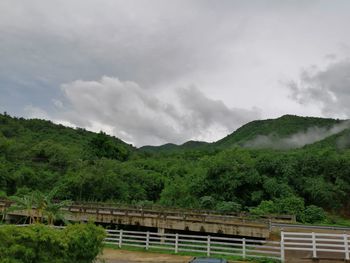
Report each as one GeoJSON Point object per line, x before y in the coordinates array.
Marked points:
{"type": "Point", "coordinates": [313, 214]}
{"type": "Point", "coordinates": [264, 208]}
{"type": "Point", "coordinates": [207, 202]}
{"type": "Point", "coordinates": [228, 207]}
{"type": "Point", "coordinates": [84, 242]}
{"type": "Point", "coordinates": [39, 243]}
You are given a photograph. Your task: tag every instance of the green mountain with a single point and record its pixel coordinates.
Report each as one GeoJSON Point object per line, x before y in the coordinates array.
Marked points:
{"type": "Point", "coordinates": [340, 141]}
{"type": "Point", "coordinates": [282, 127]}
{"type": "Point", "coordinates": [40, 135]}
{"type": "Point", "coordinates": [271, 133]}
{"type": "Point", "coordinates": [38, 155]}
{"type": "Point", "coordinates": [171, 148]}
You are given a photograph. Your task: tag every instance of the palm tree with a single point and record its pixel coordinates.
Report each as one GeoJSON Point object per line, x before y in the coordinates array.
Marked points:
{"type": "Point", "coordinates": [54, 212]}
{"type": "Point", "coordinates": [24, 203]}
{"type": "Point", "coordinates": [40, 205]}
{"type": "Point", "coordinates": [44, 205]}
{"type": "Point", "coordinates": [48, 208]}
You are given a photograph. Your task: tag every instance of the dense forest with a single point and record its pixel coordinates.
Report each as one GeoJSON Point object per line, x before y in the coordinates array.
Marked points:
{"type": "Point", "coordinates": [290, 165]}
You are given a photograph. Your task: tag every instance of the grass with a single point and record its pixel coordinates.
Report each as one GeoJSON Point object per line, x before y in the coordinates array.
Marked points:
{"type": "Point", "coordinates": [335, 220]}
{"type": "Point", "coordinates": [194, 254]}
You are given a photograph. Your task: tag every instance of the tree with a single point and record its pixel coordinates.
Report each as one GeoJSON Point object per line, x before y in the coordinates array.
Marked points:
{"type": "Point", "coordinates": [25, 204]}
{"type": "Point", "coordinates": [39, 206]}
{"type": "Point", "coordinates": [103, 146]}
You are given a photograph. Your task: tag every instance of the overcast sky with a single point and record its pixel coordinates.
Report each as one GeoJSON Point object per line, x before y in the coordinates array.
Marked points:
{"type": "Point", "coordinates": [159, 71]}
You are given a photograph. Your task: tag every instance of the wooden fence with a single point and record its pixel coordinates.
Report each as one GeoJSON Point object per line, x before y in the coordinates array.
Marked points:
{"type": "Point", "coordinates": [206, 245]}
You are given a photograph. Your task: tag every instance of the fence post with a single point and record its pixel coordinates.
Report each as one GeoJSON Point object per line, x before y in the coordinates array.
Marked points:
{"type": "Point", "coordinates": [208, 246]}
{"type": "Point", "coordinates": [346, 247]}
{"type": "Point", "coordinates": [176, 243]}
{"type": "Point", "coordinates": [147, 240]}
{"type": "Point", "coordinates": [243, 248]}
{"type": "Point", "coordinates": [120, 238]}
{"type": "Point", "coordinates": [314, 249]}
{"type": "Point", "coordinates": [282, 247]}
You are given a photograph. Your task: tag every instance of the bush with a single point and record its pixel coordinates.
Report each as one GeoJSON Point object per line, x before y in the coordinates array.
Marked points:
{"type": "Point", "coordinates": [84, 242]}
{"type": "Point", "coordinates": [39, 243]}
{"type": "Point", "coordinates": [228, 207]}
{"type": "Point", "coordinates": [264, 208]}
{"type": "Point", "coordinates": [207, 202]}
{"type": "Point", "coordinates": [313, 214]}
{"type": "Point", "coordinates": [291, 205]}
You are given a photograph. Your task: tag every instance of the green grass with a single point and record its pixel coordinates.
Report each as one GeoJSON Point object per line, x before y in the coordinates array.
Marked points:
{"type": "Point", "coordinates": [335, 220]}
{"type": "Point", "coordinates": [193, 254]}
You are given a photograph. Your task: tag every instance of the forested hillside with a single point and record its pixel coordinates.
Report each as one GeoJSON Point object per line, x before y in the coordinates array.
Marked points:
{"type": "Point", "coordinates": [40, 155]}
{"type": "Point", "coordinates": [170, 147]}
{"type": "Point", "coordinates": [282, 127]}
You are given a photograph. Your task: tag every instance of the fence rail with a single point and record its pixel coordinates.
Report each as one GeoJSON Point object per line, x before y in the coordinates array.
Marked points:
{"type": "Point", "coordinates": [208, 245]}
{"type": "Point", "coordinates": [316, 243]}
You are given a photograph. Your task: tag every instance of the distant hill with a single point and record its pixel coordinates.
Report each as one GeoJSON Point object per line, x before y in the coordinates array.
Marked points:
{"type": "Point", "coordinates": [170, 147]}
{"type": "Point", "coordinates": [274, 129]}
{"type": "Point", "coordinates": [288, 131]}
{"type": "Point", "coordinates": [34, 132]}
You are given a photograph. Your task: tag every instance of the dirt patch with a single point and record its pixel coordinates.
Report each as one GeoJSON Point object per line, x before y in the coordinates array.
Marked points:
{"type": "Point", "coordinates": [123, 256]}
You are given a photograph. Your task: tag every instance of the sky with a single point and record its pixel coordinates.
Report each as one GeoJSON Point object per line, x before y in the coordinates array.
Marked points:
{"type": "Point", "coordinates": [158, 71]}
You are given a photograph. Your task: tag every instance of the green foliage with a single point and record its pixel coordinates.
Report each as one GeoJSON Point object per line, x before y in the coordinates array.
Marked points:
{"type": "Point", "coordinates": [313, 214]}
{"type": "Point", "coordinates": [38, 156]}
{"type": "Point", "coordinates": [39, 243]}
{"type": "Point", "coordinates": [281, 127]}
{"type": "Point", "coordinates": [46, 207]}
{"type": "Point", "coordinates": [84, 242]}
{"type": "Point", "coordinates": [207, 202]}
{"type": "Point", "coordinates": [291, 205]}
{"type": "Point", "coordinates": [103, 146]}
{"type": "Point", "coordinates": [265, 208]}
{"type": "Point", "coordinates": [228, 207]}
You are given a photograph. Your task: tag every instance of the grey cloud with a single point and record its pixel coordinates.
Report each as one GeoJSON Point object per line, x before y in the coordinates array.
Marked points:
{"type": "Point", "coordinates": [43, 45]}
{"type": "Point", "coordinates": [204, 112]}
{"type": "Point", "coordinates": [329, 88]}
{"type": "Point", "coordinates": [132, 113]}
{"type": "Point", "coordinates": [299, 139]}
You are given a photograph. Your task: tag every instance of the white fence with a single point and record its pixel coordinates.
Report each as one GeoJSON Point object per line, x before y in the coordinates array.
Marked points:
{"type": "Point", "coordinates": [320, 245]}
{"type": "Point", "coordinates": [304, 245]}
{"type": "Point", "coordinates": [208, 245]}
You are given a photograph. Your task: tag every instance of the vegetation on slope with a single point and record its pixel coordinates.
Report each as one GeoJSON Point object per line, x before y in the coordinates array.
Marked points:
{"type": "Point", "coordinates": [37, 155]}
{"type": "Point", "coordinates": [282, 127]}
{"type": "Point", "coordinates": [170, 147]}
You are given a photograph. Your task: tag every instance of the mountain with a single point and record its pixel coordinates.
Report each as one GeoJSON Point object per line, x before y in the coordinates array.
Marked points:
{"type": "Point", "coordinates": [170, 147]}
{"type": "Point", "coordinates": [275, 129]}
{"type": "Point", "coordinates": [38, 155]}
{"type": "Point", "coordinates": [34, 133]}
{"type": "Point", "coordinates": [288, 131]}
{"type": "Point", "coordinates": [339, 140]}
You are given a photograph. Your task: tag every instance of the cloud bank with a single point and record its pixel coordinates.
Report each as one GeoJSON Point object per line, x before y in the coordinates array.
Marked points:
{"type": "Point", "coordinates": [130, 112]}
